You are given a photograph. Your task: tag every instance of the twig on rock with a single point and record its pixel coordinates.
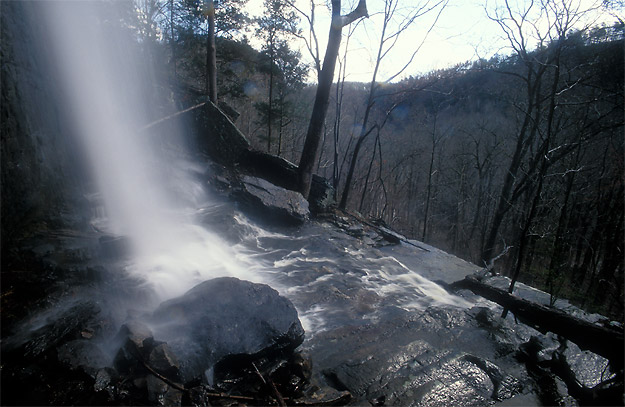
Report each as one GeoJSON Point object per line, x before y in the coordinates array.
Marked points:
{"type": "Point", "coordinates": [183, 389]}
{"type": "Point", "coordinates": [272, 386]}
{"type": "Point", "coordinates": [163, 378]}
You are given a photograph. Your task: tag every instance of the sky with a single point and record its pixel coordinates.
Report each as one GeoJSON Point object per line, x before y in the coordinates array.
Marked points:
{"type": "Point", "coordinates": [462, 32]}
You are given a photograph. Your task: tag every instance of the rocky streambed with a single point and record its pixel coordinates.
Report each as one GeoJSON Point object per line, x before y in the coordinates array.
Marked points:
{"type": "Point", "coordinates": [340, 312]}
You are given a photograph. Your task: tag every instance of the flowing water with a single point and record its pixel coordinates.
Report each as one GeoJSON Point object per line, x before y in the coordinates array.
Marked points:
{"type": "Point", "coordinates": [146, 187]}
{"type": "Point", "coordinates": [154, 195]}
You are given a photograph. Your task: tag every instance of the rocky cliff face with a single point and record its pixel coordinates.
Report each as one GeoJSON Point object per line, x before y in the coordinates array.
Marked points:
{"type": "Point", "coordinates": [39, 161]}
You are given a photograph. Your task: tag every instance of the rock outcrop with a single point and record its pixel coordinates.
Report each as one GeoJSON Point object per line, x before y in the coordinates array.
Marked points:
{"type": "Point", "coordinates": [283, 173]}
{"type": "Point", "coordinates": [269, 202]}
{"type": "Point", "coordinates": [217, 135]}
{"type": "Point", "coordinates": [39, 159]}
{"type": "Point", "coordinates": [226, 318]}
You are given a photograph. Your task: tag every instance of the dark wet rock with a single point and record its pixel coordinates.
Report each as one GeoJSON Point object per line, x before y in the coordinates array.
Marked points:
{"type": "Point", "coordinates": [103, 379]}
{"type": "Point", "coordinates": [226, 317]}
{"type": "Point", "coordinates": [164, 361]}
{"type": "Point", "coordinates": [270, 202]}
{"type": "Point", "coordinates": [228, 110]}
{"type": "Point", "coordinates": [283, 173]}
{"type": "Point", "coordinates": [504, 386]}
{"type": "Point", "coordinates": [54, 330]}
{"type": "Point", "coordinates": [324, 397]}
{"type": "Point", "coordinates": [39, 159]}
{"type": "Point", "coordinates": [565, 375]}
{"type": "Point", "coordinates": [136, 342]}
{"type": "Point", "coordinates": [589, 369]}
{"type": "Point", "coordinates": [390, 235]}
{"type": "Point", "coordinates": [83, 354]}
{"type": "Point", "coordinates": [217, 135]}
{"type": "Point", "coordinates": [355, 230]}
{"type": "Point", "coordinates": [321, 196]}
{"type": "Point", "coordinates": [435, 357]}
{"type": "Point", "coordinates": [162, 394]}
{"type": "Point", "coordinates": [371, 233]}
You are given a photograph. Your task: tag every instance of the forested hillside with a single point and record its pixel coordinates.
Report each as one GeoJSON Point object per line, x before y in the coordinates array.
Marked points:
{"type": "Point", "coordinates": [520, 155]}
{"type": "Point", "coordinates": [507, 154]}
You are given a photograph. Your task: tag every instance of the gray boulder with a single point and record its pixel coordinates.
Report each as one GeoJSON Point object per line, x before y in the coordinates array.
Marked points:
{"type": "Point", "coordinates": [268, 201]}
{"type": "Point", "coordinates": [283, 173]}
{"type": "Point", "coordinates": [217, 135]}
{"type": "Point", "coordinates": [226, 318]}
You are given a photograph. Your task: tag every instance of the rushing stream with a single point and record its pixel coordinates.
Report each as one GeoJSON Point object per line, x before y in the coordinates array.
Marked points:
{"type": "Point", "coordinates": [149, 194]}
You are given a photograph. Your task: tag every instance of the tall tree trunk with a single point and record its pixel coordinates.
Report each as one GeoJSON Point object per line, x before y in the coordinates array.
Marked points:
{"type": "Point", "coordinates": [364, 189]}
{"type": "Point", "coordinates": [281, 123]}
{"type": "Point", "coordinates": [322, 97]}
{"type": "Point", "coordinates": [211, 58]}
{"type": "Point", "coordinates": [524, 234]}
{"type": "Point", "coordinates": [429, 187]}
{"type": "Point", "coordinates": [527, 132]}
{"type": "Point", "coordinates": [270, 104]}
{"type": "Point", "coordinates": [542, 152]}
{"type": "Point", "coordinates": [557, 257]}
{"type": "Point", "coordinates": [173, 42]}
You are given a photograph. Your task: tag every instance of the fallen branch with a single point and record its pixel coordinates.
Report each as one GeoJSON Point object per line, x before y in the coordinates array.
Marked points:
{"type": "Point", "coordinates": [603, 341]}
{"type": "Point", "coordinates": [163, 378]}
{"type": "Point", "coordinates": [183, 389]}
{"type": "Point", "coordinates": [489, 268]}
{"type": "Point", "coordinates": [171, 116]}
{"type": "Point", "coordinates": [385, 231]}
{"type": "Point", "coordinates": [272, 386]}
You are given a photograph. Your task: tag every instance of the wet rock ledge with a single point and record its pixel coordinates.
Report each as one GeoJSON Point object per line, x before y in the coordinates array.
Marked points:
{"type": "Point", "coordinates": [224, 341]}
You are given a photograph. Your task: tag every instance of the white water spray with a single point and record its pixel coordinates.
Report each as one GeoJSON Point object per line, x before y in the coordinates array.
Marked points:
{"type": "Point", "coordinates": [110, 93]}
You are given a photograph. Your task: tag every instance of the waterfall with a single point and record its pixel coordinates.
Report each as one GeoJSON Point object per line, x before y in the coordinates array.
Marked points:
{"type": "Point", "coordinates": [110, 93]}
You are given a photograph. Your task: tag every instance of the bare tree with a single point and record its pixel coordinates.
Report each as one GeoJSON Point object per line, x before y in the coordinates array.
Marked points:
{"type": "Point", "coordinates": [211, 55]}
{"type": "Point", "coordinates": [336, 129]}
{"type": "Point", "coordinates": [393, 26]}
{"type": "Point", "coordinates": [546, 23]}
{"type": "Point", "coordinates": [322, 97]}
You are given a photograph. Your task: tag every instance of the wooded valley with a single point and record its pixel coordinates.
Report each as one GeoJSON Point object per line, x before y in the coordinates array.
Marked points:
{"type": "Point", "coordinates": [518, 157]}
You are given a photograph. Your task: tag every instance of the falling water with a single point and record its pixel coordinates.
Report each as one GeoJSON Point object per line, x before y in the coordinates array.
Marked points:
{"type": "Point", "coordinates": [150, 194]}
{"type": "Point", "coordinates": [111, 95]}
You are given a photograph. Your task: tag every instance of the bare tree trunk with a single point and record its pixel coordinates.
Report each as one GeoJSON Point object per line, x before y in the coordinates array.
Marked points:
{"type": "Point", "coordinates": [603, 341]}
{"type": "Point", "coordinates": [172, 39]}
{"type": "Point", "coordinates": [429, 186]}
{"type": "Point", "coordinates": [270, 102]}
{"type": "Point", "coordinates": [524, 237]}
{"type": "Point", "coordinates": [322, 97]}
{"type": "Point", "coordinates": [386, 43]}
{"type": "Point", "coordinates": [280, 128]}
{"type": "Point", "coordinates": [211, 58]}
{"type": "Point", "coordinates": [364, 189]}
{"type": "Point", "coordinates": [340, 88]}
{"type": "Point", "coordinates": [504, 201]}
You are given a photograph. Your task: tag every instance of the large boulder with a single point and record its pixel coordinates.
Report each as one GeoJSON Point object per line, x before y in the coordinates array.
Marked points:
{"type": "Point", "coordinates": [226, 318]}
{"type": "Point", "coordinates": [283, 173]}
{"type": "Point", "coordinates": [217, 135]}
{"type": "Point", "coordinates": [268, 201]}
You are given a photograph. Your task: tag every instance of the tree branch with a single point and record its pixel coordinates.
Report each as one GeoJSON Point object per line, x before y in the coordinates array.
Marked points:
{"type": "Point", "coordinates": [359, 12]}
